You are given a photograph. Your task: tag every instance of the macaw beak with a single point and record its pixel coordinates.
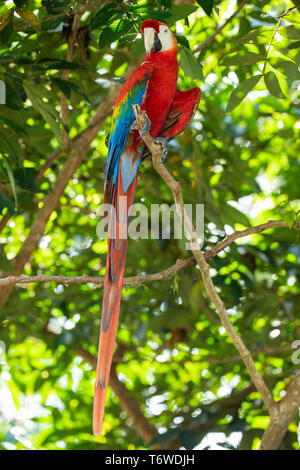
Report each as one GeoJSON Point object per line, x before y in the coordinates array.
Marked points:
{"type": "Point", "coordinates": [152, 42]}
{"type": "Point", "coordinates": [157, 44]}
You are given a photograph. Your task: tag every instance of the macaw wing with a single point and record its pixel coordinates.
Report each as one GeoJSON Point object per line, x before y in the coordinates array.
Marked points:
{"type": "Point", "coordinates": [132, 92]}
{"type": "Point", "coordinates": [181, 113]}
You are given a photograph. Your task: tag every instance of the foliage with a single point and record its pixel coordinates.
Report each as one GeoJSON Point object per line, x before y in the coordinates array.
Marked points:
{"type": "Point", "coordinates": [239, 158]}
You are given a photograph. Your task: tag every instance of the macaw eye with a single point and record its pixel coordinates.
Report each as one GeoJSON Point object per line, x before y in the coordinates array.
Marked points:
{"type": "Point", "coordinates": [166, 31]}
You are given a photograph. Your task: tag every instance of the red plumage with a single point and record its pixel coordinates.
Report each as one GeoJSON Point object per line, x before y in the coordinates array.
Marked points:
{"type": "Point", "coordinates": [154, 87]}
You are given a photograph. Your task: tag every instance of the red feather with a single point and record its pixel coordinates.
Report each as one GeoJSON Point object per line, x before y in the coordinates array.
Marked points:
{"type": "Point", "coordinates": [115, 264]}
{"type": "Point", "coordinates": [170, 111]}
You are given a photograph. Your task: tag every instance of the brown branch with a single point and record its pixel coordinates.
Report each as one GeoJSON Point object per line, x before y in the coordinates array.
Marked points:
{"type": "Point", "coordinates": [175, 187]}
{"type": "Point", "coordinates": [77, 153]}
{"type": "Point", "coordinates": [51, 201]}
{"type": "Point", "coordinates": [66, 74]}
{"type": "Point", "coordinates": [4, 221]}
{"type": "Point", "coordinates": [226, 359]}
{"type": "Point", "coordinates": [75, 12]}
{"type": "Point", "coordinates": [98, 281]}
{"type": "Point", "coordinates": [284, 412]}
{"type": "Point", "coordinates": [49, 162]}
{"type": "Point", "coordinates": [142, 278]}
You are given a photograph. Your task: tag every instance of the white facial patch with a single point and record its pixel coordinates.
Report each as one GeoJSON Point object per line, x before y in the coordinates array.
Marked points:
{"type": "Point", "coordinates": [165, 37]}
{"type": "Point", "coordinates": [148, 39]}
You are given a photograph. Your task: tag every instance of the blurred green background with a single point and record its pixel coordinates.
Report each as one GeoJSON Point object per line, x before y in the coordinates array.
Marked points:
{"type": "Point", "coordinates": [240, 158]}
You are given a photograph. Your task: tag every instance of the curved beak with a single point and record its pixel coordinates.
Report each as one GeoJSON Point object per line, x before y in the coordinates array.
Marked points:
{"type": "Point", "coordinates": [157, 44]}
{"type": "Point", "coordinates": [152, 41]}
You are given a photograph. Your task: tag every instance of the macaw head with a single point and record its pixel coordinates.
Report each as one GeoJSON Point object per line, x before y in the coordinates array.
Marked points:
{"type": "Point", "coordinates": [158, 37]}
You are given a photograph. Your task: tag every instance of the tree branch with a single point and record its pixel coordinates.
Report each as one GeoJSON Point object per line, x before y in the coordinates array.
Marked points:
{"type": "Point", "coordinates": [77, 153]}
{"type": "Point", "coordinates": [142, 278]}
{"type": "Point", "coordinates": [175, 187]}
{"type": "Point", "coordinates": [284, 412]}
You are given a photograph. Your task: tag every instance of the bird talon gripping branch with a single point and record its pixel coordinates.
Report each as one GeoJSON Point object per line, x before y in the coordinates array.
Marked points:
{"type": "Point", "coordinates": [165, 146]}
{"type": "Point", "coordinates": [133, 127]}
{"type": "Point", "coordinates": [146, 127]}
{"type": "Point", "coordinates": [151, 101]}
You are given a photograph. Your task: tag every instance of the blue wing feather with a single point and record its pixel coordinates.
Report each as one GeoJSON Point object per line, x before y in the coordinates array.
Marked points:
{"type": "Point", "coordinates": [132, 92]}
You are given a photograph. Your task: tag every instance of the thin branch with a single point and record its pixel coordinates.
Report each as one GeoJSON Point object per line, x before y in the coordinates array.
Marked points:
{"type": "Point", "coordinates": [80, 146]}
{"type": "Point", "coordinates": [284, 412]}
{"type": "Point", "coordinates": [141, 278]}
{"type": "Point", "coordinates": [66, 74]}
{"type": "Point", "coordinates": [236, 357]}
{"type": "Point", "coordinates": [175, 187]}
{"type": "Point", "coordinates": [219, 29]}
{"type": "Point", "coordinates": [49, 162]}
{"type": "Point", "coordinates": [4, 221]}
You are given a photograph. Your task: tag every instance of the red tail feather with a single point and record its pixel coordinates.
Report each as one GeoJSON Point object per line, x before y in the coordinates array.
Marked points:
{"type": "Point", "coordinates": [115, 264]}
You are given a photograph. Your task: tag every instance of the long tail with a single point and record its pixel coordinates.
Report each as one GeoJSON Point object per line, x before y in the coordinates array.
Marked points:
{"type": "Point", "coordinates": [115, 264]}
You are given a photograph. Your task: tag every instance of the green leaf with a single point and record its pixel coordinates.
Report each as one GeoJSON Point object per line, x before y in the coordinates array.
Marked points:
{"type": "Point", "coordinates": [26, 179]}
{"type": "Point", "coordinates": [290, 32]}
{"type": "Point", "coordinates": [63, 65]}
{"type": "Point", "coordinates": [241, 91]}
{"type": "Point", "coordinates": [13, 99]}
{"type": "Point", "coordinates": [114, 32]}
{"type": "Point", "coordinates": [5, 202]}
{"type": "Point", "coordinates": [289, 217]}
{"type": "Point", "coordinates": [6, 25]}
{"type": "Point", "coordinates": [191, 66]}
{"type": "Point", "coordinates": [235, 291]}
{"type": "Point", "coordinates": [182, 40]}
{"type": "Point", "coordinates": [231, 215]}
{"type": "Point", "coordinates": [292, 17]}
{"type": "Point", "coordinates": [54, 6]}
{"type": "Point", "coordinates": [14, 125]}
{"type": "Point", "coordinates": [9, 145]}
{"type": "Point", "coordinates": [206, 5]}
{"type": "Point", "coordinates": [28, 16]}
{"type": "Point", "coordinates": [272, 84]}
{"type": "Point", "coordinates": [165, 3]}
{"type": "Point", "coordinates": [160, 15]}
{"type": "Point", "coordinates": [243, 58]}
{"type": "Point", "coordinates": [137, 48]}
{"type": "Point", "coordinates": [105, 16]}
{"type": "Point", "coordinates": [4, 263]}
{"type": "Point", "coordinates": [180, 12]}
{"type": "Point", "coordinates": [20, 3]}
{"type": "Point", "coordinates": [258, 35]}
{"type": "Point", "coordinates": [36, 93]}
{"type": "Point", "coordinates": [287, 67]}
{"type": "Point", "coordinates": [67, 87]}
{"type": "Point", "coordinates": [10, 178]}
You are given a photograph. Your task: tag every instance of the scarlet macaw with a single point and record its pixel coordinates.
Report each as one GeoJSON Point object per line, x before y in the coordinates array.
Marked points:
{"type": "Point", "coordinates": [170, 111]}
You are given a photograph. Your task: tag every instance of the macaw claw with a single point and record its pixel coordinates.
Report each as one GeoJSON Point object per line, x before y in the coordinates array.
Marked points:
{"type": "Point", "coordinates": [146, 127]}
{"type": "Point", "coordinates": [165, 146]}
{"type": "Point", "coordinates": [133, 127]}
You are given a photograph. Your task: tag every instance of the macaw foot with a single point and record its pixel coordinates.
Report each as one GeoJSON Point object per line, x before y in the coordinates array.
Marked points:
{"type": "Point", "coordinates": [133, 127]}
{"type": "Point", "coordinates": [146, 127]}
{"type": "Point", "coordinates": [165, 146]}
